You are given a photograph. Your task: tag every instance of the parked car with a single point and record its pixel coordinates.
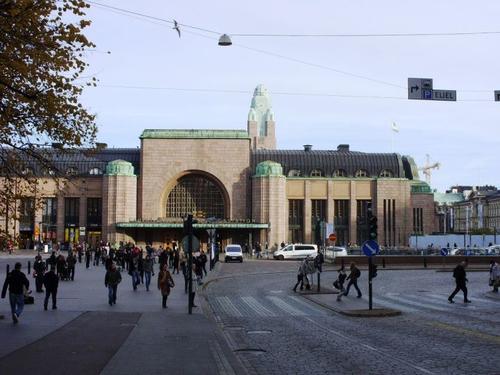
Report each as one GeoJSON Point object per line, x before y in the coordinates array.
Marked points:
{"type": "Point", "coordinates": [331, 252]}
{"type": "Point", "coordinates": [494, 250]}
{"type": "Point", "coordinates": [296, 251]}
{"type": "Point", "coordinates": [233, 252]}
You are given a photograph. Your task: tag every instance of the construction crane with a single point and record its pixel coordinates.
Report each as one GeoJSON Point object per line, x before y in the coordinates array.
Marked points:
{"type": "Point", "coordinates": [426, 169]}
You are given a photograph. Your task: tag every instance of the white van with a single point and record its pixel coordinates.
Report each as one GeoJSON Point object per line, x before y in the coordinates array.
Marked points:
{"type": "Point", "coordinates": [296, 251]}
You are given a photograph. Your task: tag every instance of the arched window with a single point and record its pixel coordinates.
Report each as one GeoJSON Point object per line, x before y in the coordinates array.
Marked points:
{"type": "Point", "coordinates": [316, 173]}
{"type": "Point", "coordinates": [339, 173]}
{"type": "Point", "coordinates": [95, 171]}
{"type": "Point", "coordinates": [196, 194]}
{"type": "Point", "coordinates": [294, 173]}
{"type": "Point", "coordinates": [71, 171]}
{"type": "Point", "coordinates": [361, 173]}
{"type": "Point", "coordinates": [386, 173]}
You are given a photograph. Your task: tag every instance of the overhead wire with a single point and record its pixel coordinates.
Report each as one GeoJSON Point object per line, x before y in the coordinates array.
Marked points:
{"type": "Point", "coordinates": [160, 21]}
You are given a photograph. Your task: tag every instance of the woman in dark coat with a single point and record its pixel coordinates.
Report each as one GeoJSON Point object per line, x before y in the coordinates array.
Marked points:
{"type": "Point", "coordinates": [165, 282]}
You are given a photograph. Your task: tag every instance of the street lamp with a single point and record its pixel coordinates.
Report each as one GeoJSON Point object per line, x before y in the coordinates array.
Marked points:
{"type": "Point", "coordinates": [225, 40]}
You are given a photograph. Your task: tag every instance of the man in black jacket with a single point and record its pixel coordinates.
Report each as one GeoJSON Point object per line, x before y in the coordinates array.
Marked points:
{"type": "Point", "coordinates": [39, 267]}
{"type": "Point", "coordinates": [71, 262]}
{"type": "Point", "coordinates": [460, 280]}
{"type": "Point", "coordinates": [16, 281]}
{"type": "Point", "coordinates": [51, 282]}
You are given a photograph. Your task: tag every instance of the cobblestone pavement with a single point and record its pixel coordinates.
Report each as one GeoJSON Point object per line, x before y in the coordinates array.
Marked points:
{"type": "Point", "coordinates": [275, 331]}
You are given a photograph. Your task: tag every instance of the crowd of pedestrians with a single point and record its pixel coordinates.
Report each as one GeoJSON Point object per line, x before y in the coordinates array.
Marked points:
{"type": "Point", "coordinates": [139, 264]}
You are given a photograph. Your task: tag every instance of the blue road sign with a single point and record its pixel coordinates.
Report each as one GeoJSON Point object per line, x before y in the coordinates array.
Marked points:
{"type": "Point", "coordinates": [371, 248]}
{"type": "Point", "coordinates": [444, 251]}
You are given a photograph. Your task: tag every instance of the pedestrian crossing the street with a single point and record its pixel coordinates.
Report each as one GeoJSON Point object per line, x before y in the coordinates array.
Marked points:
{"type": "Point", "coordinates": [266, 306]}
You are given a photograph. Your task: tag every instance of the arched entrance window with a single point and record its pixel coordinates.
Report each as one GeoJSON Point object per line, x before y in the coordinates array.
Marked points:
{"type": "Point", "coordinates": [195, 194]}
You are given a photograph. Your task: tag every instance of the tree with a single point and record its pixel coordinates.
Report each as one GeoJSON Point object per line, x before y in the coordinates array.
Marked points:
{"type": "Point", "coordinates": [41, 62]}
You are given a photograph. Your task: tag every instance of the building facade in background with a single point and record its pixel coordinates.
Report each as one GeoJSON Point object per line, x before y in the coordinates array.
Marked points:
{"type": "Point", "coordinates": [234, 181]}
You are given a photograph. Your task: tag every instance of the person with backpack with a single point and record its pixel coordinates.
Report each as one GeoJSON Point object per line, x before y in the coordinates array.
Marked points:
{"type": "Point", "coordinates": [353, 277]}
{"type": "Point", "coordinates": [460, 280]}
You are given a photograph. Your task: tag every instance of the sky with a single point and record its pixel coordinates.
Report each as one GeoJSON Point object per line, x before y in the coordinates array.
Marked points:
{"type": "Point", "coordinates": [325, 91]}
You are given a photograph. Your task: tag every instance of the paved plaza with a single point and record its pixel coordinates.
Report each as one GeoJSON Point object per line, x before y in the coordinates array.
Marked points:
{"type": "Point", "coordinates": [250, 321]}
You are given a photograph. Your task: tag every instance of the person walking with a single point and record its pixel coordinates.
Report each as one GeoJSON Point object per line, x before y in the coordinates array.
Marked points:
{"type": "Point", "coordinates": [165, 283]}
{"type": "Point", "coordinates": [203, 263]}
{"type": "Point", "coordinates": [133, 270]}
{"type": "Point", "coordinates": [494, 276]}
{"type": "Point", "coordinates": [353, 277]}
{"type": "Point", "coordinates": [39, 268]}
{"type": "Point", "coordinates": [148, 270]}
{"type": "Point", "coordinates": [16, 282]}
{"type": "Point", "coordinates": [300, 279]}
{"type": "Point", "coordinates": [339, 283]}
{"type": "Point", "coordinates": [51, 282]}
{"type": "Point", "coordinates": [112, 278]}
{"type": "Point", "coordinates": [460, 280]}
{"type": "Point", "coordinates": [71, 262]}
{"type": "Point", "coordinates": [184, 269]}
{"type": "Point", "coordinates": [88, 255]}
{"type": "Point", "coordinates": [176, 260]}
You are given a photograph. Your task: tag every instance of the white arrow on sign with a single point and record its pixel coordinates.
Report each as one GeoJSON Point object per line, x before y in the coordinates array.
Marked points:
{"type": "Point", "coordinates": [373, 250]}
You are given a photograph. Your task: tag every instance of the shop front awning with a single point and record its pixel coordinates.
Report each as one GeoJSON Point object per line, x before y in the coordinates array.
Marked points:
{"type": "Point", "coordinates": [179, 225]}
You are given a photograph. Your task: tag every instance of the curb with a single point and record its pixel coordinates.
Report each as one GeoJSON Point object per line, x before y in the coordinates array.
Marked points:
{"type": "Point", "coordinates": [375, 313]}
{"type": "Point", "coordinates": [492, 296]}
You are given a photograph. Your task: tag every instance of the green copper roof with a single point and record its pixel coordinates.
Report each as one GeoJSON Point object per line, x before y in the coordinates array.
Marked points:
{"type": "Point", "coordinates": [268, 168]}
{"type": "Point", "coordinates": [160, 225]}
{"type": "Point", "coordinates": [420, 187]}
{"type": "Point", "coordinates": [448, 198]}
{"type": "Point", "coordinates": [119, 168]}
{"type": "Point", "coordinates": [194, 133]}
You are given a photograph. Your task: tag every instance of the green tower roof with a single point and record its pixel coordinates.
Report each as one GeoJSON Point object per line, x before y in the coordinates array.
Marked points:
{"type": "Point", "coordinates": [119, 168]}
{"type": "Point", "coordinates": [268, 168]}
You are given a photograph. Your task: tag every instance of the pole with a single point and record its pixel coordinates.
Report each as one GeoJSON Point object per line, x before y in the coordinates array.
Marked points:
{"type": "Point", "coordinates": [370, 294]}
{"type": "Point", "coordinates": [190, 263]}
{"type": "Point", "coordinates": [319, 281]}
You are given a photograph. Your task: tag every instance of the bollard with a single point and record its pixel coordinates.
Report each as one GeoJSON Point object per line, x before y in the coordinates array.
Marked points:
{"type": "Point", "coordinates": [8, 268]}
{"type": "Point", "coordinates": [383, 262]}
{"type": "Point", "coordinates": [341, 262]}
{"type": "Point", "coordinates": [425, 262]}
{"type": "Point", "coordinates": [29, 267]}
{"type": "Point", "coordinates": [319, 281]}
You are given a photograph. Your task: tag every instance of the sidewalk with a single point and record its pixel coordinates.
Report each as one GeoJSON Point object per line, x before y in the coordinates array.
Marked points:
{"type": "Point", "coordinates": [87, 336]}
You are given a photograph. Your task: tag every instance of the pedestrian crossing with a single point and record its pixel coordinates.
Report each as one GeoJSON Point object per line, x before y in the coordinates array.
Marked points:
{"type": "Point", "coordinates": [423, 302]}
{"type": "Point", "coordinates": [270, 306]}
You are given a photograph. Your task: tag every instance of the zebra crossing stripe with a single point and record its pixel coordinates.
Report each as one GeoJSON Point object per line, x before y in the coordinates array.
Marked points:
{"type": "Point", "coordinates": [285, 306]}
{"type": "Point", "coordinates": [414, 303]}
{"type": "Point", "coordinates": [308, 307]}
{"type": "Point", "coordinates": [392, 305]}
{"type": "Point", "coordinates": [257, 307]}
{"type": "Point", "coordinates": [228, 307]}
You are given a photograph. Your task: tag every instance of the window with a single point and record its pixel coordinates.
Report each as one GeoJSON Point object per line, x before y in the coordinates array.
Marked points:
{"type": "Point", "coordinates": [71, 212]}
{"type": "Point", "coordinates": [295, 220]}
{"type": "Point", "coordinates": [196, 194]}
{"type": "Point", "coordinates": [94, 212]}
{"type": "Point", "coordinates": [361, 173]}
{"type": "Point", "coordinates": [71, 171]}
{"type": "Point", "coordinates": [386, 173]}
{"type": "Point", "coordinates": [49, 214]}
{"type": "Point", "coordinates": [316, 173]}
{"type": "Point", "coordinates": [95, 171]}
{"type": "Point", "coordinates": [294, 173]}
{"type": "Point", "coordinates": [339, 173]}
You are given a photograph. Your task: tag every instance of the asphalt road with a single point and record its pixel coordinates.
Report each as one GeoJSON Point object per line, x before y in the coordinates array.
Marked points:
{"type": "Point", "coordinates": [275, 331]}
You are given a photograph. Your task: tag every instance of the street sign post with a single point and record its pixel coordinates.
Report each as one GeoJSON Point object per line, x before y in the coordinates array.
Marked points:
{"type": "Point", "coordinates": [370, 248]}
{"type": "Point", "coordinates": [444, 251]}
{"type": "Point", "coordinates": [418, 88]}
{"type": "Point", "coordinates": [422, 89]}
{"type": "Point", "coordinates": [497, 95]}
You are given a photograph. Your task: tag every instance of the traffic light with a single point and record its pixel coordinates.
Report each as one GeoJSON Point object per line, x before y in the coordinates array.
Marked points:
{"type": "Point", "coordinates": [373, 227]}
{"type": "Point", "coordinates": [374, 271]}
{"type": "Point", "coordinates": [188, 225]}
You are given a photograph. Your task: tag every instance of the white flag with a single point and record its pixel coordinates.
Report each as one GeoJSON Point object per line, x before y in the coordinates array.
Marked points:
{"type": "Point", "coordinates": [395, 128]}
